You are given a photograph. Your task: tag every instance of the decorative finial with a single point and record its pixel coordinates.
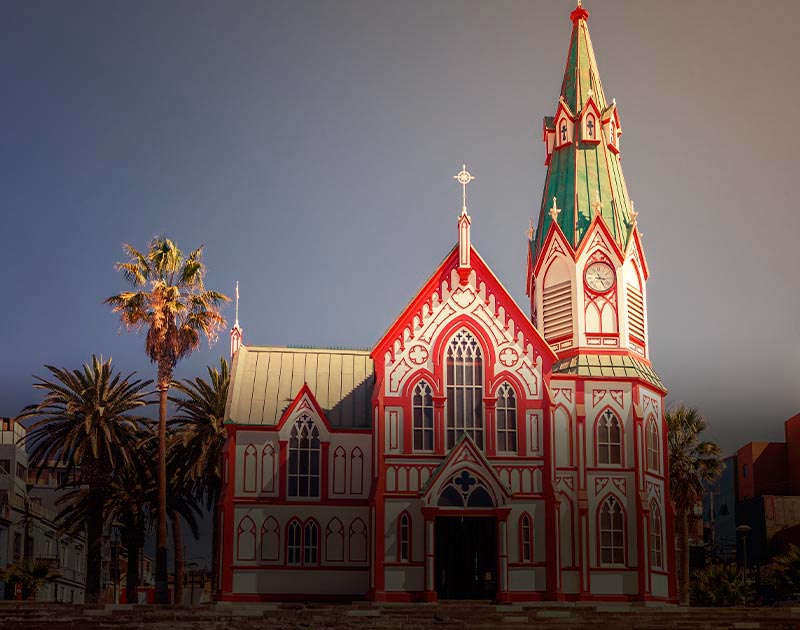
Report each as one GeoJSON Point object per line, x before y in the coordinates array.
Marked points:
{"type": "Point", "coordinates": [597, 206]}
{"type": "Point", "coordinates": [554, 210]}
{"type": "Point", "coordinates": [634, 214]}
{"type": "Point", "coordinates": [579, 13]}
{"type": "Point", "coordinates": [531, 231]}
{"type": "Point", "coordinates": [237, 305]}
{"type": "Point", "coordinates": [463, 178]}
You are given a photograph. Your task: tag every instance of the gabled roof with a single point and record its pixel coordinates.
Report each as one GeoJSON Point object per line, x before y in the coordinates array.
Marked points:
{"type": "Point", "coordinates": [466, 453]}
{"type": "Point", "coordinates": [485, 274]}
{"type": "Point", "coordinates": [581, 171]}
{"type": "Point", "coordinates": [265, 381]}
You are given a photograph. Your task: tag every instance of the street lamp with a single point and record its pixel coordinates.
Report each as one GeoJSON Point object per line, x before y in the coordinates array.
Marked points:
{"type": "Point", "coordinates": [744, 530]}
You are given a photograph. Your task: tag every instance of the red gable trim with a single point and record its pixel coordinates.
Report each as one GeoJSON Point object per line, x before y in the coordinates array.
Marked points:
{"type": "Point", "coordinates": [553, 232]}
{"type": "Point", "coordinates": [493, 285]}
{"type": "Point", "coordinates": [636, 241]}
{"type": "Point", "coordinates": [599, 223]}
{"type": "Point", "coordinates": [305, 390]}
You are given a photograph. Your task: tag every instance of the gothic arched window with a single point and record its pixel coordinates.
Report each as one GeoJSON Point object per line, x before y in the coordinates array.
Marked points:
{"type": "Point", "coordinates": [652, 445]}
{"type": "Point", "coordinates": [294, 542]}
{"type": "Point", "coordinates": [311, 543]}
{"type": "Point", "coordinates": [526, 539]}
{"type": "Point", "coordinates": [246, 539]}
{"type": "Point", "coordinates": [404, 538]}
{"type": "Point", "coordinates": [464, 389]}
{"type": "Point", "coordinates": [270, 540]}
{"type": "Point", "coordinates": [422, 407]}
{"type": "Point", "coordinates": [612, 532]}
{"type": "Point", "coordinates": [609, 439]}
{"type": "Point", "coordinates": [656, 549]}
{"type": "Point", "coordinates": [304, 458]}
{"type": "Point", "coordinates": [506, 414]}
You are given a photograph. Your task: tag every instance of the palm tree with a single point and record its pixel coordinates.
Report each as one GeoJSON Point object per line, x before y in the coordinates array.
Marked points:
{"type": "Point", "coordinates": [170, 301]}
{"type": "Point", "coordinates": [692, 463]}
{"type": "Point", "coordinates": [200, 437]}
{"type": "Point", "coordinates": [717, 585]}
{"type": "Point", "coordinates": [786, 572]}
{"type": "Point", "coordinates": [84, 422]}
{"type": "Point", "coordinates": [32, 574]}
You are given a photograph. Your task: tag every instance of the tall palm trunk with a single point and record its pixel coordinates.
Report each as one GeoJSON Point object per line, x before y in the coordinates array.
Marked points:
{"type": "Point", "coordinates": [177, 541]}
{"type": "Point", "coordinates": [683, 556]}
{"type": "Point", "coordinates": [215, 549]}
{"type": "Point", "coordinates": [94, 543]}
{"type": "Point", "coordinates": [132, 544]}
{"type": "Point", "coordinates": [162, 586]}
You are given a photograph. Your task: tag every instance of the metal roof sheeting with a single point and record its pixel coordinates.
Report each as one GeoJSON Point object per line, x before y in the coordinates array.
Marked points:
{"type": "Point", "coordinates": [265, 380]}
{"type": "Point", "coordinates": [608, 365]}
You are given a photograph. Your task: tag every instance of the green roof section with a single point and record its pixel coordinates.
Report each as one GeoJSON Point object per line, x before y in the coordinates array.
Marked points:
{"type": "Point", "coordinates": [582, 173]}
{"type": "Point", "coordinates": [608, 365]}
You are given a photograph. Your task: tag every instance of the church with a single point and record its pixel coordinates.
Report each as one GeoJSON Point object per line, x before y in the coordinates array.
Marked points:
{"type": "Point", "coordinates": [479, 450]}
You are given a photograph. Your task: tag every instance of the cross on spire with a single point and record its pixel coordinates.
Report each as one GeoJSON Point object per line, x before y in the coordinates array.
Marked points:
{"type": "Point", "coordinates": [237, 304]}
{"type": "Point", "coordinates": [531, 231]}
{"type": "Point", "coordinates": [463, 178]}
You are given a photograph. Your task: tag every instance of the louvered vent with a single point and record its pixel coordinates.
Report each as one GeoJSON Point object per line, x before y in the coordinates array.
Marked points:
{"type": "Point", "coordinates": [635, 313]}
{"type": "Point", "coordinates": [557, 311]}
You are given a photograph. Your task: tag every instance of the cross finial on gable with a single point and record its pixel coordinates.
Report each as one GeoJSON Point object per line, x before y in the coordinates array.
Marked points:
{"type": "Point", "coordinates": [463, 178]}
{"type": "Point", "coordinates": [464, 221]}
{"type": "Point", "coordinates": [531, 231]}
{"type": "Point", "coordinates": [554, 210]}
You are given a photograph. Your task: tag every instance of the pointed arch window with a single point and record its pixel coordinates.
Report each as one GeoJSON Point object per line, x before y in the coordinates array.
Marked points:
{"type": "Point", "coordinates": [334, 541]}
{"type": "Point", "coordinates": [294, 542]}
{"type": "Point", "coordinates": [609, 438]}
{"type": "Point", "coordinates": [506, 414]}
{"type": "Point", "coordinates": [422, 408]}
{"type": "Point", "coordinates": [270, 540]}
{"type": "Point", "coordinates": [612, 533]}
{"type": "Point", "coordinates": [656, 547]}
{"type": "Point", "coordinates": [311, 543]}
{"type": "Point", "coordinates": [526, 539]}
{"type": "Point", "coordinates": [249, 470]}
{"type": "Point", "coordinates": [304, 458]}
{"type": "Point", "coordinates": [404, 538]}
{"type": "Point", "coordinates": [464, 389]}
{"type": "Point", "coordinates": [652, 445]}
{"type": "Point", "coordinates": [246, 539]}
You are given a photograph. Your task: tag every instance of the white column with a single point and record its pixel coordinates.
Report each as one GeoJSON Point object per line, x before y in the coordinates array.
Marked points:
{"type": "Point", "coordinates": [502, 564]}
{"type": "Point", "coordinates": [430, 582]}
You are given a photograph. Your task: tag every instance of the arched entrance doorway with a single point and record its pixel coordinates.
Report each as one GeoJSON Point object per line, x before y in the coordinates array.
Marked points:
{"type": "Point", "coordinates": [466, 557]}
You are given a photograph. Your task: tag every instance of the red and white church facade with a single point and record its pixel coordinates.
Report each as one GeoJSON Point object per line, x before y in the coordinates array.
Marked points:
{"type": "Point", "coordinates": [478, 450]}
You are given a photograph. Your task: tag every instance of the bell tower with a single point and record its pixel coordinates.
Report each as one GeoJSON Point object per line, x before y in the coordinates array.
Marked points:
{"type": "Point", "coordinates": [586, 265]}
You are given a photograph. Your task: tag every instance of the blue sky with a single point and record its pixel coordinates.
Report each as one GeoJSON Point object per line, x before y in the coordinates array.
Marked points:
{"type": "Point", "coordinates": [310, 146]}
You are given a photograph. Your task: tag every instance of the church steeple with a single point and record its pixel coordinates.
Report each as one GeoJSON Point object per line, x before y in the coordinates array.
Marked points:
{"type": "Point", "coordinates": [582, 147]}
{"type": "Point", "coordinates": [236, 331]}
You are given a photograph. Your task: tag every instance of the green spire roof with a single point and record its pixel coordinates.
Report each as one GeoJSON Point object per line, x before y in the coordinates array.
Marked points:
{"type": "Point", "coordinates": [581, 172]}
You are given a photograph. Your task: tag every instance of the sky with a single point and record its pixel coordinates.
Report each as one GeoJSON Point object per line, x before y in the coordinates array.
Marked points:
{"type": "Point", "coordinates": [310, 148]}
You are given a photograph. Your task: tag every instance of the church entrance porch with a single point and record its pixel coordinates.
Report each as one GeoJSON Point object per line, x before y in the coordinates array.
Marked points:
{"type": "Point", "coordinates": [466, 557]}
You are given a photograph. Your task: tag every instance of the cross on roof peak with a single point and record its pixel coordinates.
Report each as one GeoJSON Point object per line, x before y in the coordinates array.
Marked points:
{"type": "Point", "coordinates": [463, 178]}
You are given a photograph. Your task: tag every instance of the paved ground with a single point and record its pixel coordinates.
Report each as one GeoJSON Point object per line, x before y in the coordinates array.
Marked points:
{"type": "Point", "coordinates": [479, 615]}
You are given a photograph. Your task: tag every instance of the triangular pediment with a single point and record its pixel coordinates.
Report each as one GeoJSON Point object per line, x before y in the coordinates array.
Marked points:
{"type": "Point", "coordinates": [477, 301]}
{"type": "Point", "coordinates": [464, 471]}
{"type": "Point", "coordinates": [304, 403]}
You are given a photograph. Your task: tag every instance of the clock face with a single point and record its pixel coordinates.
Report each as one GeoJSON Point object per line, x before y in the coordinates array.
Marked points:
{"type": "Point", "coordinates": [600, 277]}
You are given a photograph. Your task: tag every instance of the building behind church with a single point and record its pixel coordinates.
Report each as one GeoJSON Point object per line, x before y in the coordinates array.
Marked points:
{"type": "Point", "coordinates": [478, 450]}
